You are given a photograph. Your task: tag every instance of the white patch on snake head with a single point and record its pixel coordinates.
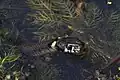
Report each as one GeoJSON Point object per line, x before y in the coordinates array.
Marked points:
{"type": "Point", "coordinates": [53, 44]}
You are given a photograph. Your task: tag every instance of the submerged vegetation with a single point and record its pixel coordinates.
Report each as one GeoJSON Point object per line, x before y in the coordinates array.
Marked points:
{"type": "Point", "coordinates": [9, 54]}
{"type": "Point", "coordinates": [53, 18]}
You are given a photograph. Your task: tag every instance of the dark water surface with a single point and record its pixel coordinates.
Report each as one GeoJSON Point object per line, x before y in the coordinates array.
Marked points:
{"type": "Point", "coordinates": [71, 68]}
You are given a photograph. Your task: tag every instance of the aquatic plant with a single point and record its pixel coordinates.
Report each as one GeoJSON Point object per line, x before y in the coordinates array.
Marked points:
{"type": "Point", "coordinates": [6, 72]}
{"type": "Point", "coordinates": [9, 54]}
{"type": "Point", "coordinates": [51, 14]}
{"type": "Point", "coordinates": [50, 10]}
{"type": "Point", "coordinates": [101, 26]}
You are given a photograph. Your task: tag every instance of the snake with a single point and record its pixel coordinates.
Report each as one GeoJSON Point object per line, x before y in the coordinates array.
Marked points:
{"type": "Point", "coordinates": [35, 49]}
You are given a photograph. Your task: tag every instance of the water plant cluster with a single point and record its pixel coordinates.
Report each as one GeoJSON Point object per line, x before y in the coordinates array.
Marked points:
{"type": "Point", "coordinates": [99, 27]}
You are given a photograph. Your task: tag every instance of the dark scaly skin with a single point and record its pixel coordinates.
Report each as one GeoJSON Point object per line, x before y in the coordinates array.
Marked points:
{"type": "Point", "coordinates": [35, 49]}
{"type": "Point", "coordinates": [84, 50]}
{"type": "Point", "coordinates": [43, 48]}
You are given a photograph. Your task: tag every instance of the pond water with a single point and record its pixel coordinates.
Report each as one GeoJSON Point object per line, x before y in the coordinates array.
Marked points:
{"type": "Point", "coordinates": [71, 68]}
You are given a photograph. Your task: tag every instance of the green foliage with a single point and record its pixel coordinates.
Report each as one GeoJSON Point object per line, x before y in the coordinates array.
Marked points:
{"type": "Point", "coordinates": [8, 59]}
{"type": "Point", "coordinates": [114, 21]}
{"type": "Point", "coordinates": [51, 14]}
{"type": "Point", "coordinates": [93, 16]}
{"type": "Point", "coordinates": [6, 72]}
{"type": "Point", "coordinates": [3, 34]}
{"type": "Point", "coordinates": [52, 10]}
{"type": "Point", "coordinates": [9, 54]}
{"type": "Point", "coordinates": [118, 78]}
{"type": "Point", "coordinates": [9, 36]}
